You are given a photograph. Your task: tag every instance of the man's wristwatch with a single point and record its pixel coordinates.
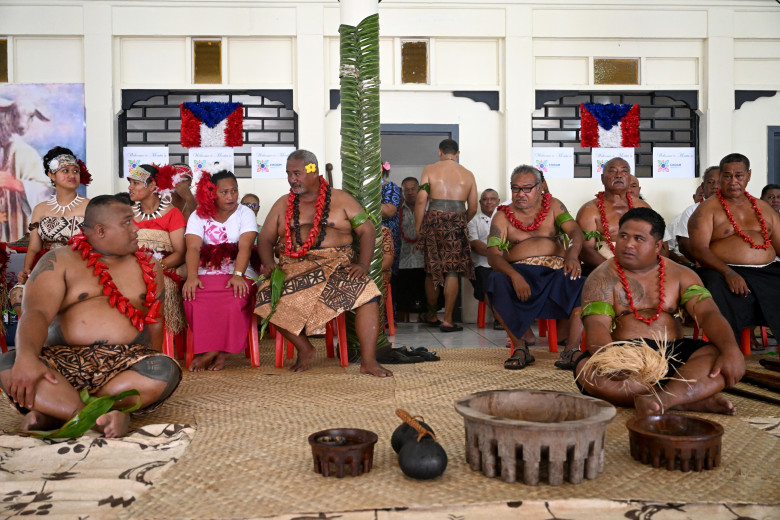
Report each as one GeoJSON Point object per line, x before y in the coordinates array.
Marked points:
{"type": "Point", "coordinates": [238, 273]}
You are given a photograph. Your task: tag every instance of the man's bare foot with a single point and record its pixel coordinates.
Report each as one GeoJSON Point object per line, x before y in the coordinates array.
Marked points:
{"type": "Point", "coordinates": [717, 403]}
{"type": "Point", "coordinates": [38, 421]}
{"type": "Point", "coordinates": [375, 369]}
{"type": "Point", "coordinates": [113, 424]}
{"type": "Point", "coordinates": [203, 361]}
{"type": "Point", "coordinates": [648, 404]}
{"type": "Point", "coordinates": [219, 361]}
{"type": "Point", "coordinates": [304, 357]}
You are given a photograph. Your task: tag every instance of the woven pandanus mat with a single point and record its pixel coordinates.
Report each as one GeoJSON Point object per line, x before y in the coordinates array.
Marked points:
{"type": "Point", "coordinates": [250, 458]}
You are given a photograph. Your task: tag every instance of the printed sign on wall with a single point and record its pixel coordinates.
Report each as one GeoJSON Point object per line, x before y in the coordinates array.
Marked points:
{"type": "Point", "coordinates": [138, 155]}
{"type": "Point", "coordinates": [554, 163]}
{"type": "Point", "coordinates": [600, 157]}
{"type": "Point", "coordinates": [270, 162]}
{"type": "Point", "coordinates": [200, 158]}
{"type": "Point", "coordinates": [674, 163]}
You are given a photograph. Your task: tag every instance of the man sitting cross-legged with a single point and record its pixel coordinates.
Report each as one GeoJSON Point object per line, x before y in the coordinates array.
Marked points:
{"type": "Point", "coordinates": [314, 225]}
{"type": "Point", "coordinates": [89, 321]}
{"type": "Point", "coordinates": [534, 277]}
{"type": "Point", "coordinates": [636, 295]}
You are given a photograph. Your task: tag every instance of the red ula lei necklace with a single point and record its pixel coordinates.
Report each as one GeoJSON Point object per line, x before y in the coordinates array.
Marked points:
{"type": "Point", "coordinates": [319, 208]}
{"type": "Point", "coordinates": [538, 219]}
{"type": "Point", "coordinates": [604, 223]}
{"type": "Point", "coordinates": [661, 277]}
{"type": "Point", "coordinates": [745, 236]}
{"type": "Point", "coordinates": [115, 298]}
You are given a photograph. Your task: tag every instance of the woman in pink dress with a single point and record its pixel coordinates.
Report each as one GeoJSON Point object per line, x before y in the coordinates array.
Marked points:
{"type": "Point", "coordinates": [218, 298]}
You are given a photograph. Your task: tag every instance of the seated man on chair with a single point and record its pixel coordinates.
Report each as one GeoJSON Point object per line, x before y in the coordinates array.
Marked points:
{"type": "Point", "coordinates": [99, 280]}
{"type": "Point", "coordinates": [314, 225]}
{"type": "Point", "coordinates": [534, 276]}
{"type": "Point", "coordinates": [637, 294]}
{"type": "Point", "coordinates": [736, 239]}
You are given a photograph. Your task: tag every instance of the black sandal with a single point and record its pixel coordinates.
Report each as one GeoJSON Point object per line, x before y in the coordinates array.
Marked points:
{"type": "Point", "coordinates": [515, 362]}
{"type": "Point", "coordinates": [567, 361]}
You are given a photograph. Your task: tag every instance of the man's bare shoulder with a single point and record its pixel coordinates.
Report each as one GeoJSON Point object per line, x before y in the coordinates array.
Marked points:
{"type": "Point", "coordinates": [600, 284]}
{"type": "Point", "coordinates": [55, 263]}
{"type": "Point", "coordinates": [340, 198]}
{"type": "Point", "coordinates": [587, 211]}
{"type": "Point", "coordinates": [639, 203]}
{"type": "Point", "coordinates": [558, 206]}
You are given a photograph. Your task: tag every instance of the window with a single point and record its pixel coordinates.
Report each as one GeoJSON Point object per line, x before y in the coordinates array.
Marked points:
{"type": "Point", "coordinates": [153, 119]}
{"type": "Point", "coordinates": [414, 62]}
{"type": "Point", "coordinates": [207, 58]}
{"type": "Point", "coordinates": [3, 61]}
{"type": "Point", "coordinates": [616, 71]}
{"type": "Point", "coordinates": [664, 121]}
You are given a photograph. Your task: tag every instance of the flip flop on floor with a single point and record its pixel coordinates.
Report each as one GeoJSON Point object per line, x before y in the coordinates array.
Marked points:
{"type": "Point", "coordinates": [424, 318]}
{"type": "Point", "coordinates": [518, 362]}
{"type": "Point", "coordinates": [447, 328]}
{"type": "Point", "coordinates": [424, 353]}
{"type": "Point", "coordinates": [394, 357]}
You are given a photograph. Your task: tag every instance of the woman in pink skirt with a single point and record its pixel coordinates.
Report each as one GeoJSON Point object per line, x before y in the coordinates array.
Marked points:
{"type": "Point", "coordinates": [218, 298]}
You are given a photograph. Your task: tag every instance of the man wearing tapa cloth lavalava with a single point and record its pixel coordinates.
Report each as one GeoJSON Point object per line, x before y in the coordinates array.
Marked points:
{"type": "Point", "coordinates": [313, 225]}
{"type": "Point", "coordinates": [636, 298]}
{"type": "Point", "coordinates": [534, 275]}
{"type": "Point", "coordinates": [446, 202]}
{"type": "Point", "coordinates": [91, 321]}
{"type": "Point", "coordinates": [736, 239]}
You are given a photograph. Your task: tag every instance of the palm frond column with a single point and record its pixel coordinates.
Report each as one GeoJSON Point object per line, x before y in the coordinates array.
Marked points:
{"type": "Point", "coordinates": [360, 132]}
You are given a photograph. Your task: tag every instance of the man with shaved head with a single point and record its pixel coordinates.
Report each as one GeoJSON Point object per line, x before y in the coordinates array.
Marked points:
{"type": "Point", "coordinates": [599, 217]}
{"type": "Point", "coordinates": [90, 321]}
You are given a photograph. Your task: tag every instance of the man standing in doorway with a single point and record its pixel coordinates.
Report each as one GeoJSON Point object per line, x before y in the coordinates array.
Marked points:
{"type": "Point", "coordinates": [479, 229]}
{"type": "Point", "coordinates": [450, 193]}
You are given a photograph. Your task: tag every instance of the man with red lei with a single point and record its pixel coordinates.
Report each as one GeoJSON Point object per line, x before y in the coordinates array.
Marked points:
{"type": "Point", "coordinates": [599, 217]}
{"type": "Point", "coordinates": [639, 295]}
{"type": "Point", "coordinates": [535, 276]}
{"type": "Point", "coordinates": [323, 277]}
{"type": "Point", "coordinates": [736, 239]}
{"type": "Point", "coordinates": [90, 322]}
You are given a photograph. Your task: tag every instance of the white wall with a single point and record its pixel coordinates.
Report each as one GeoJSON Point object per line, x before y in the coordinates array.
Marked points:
{"type": "Point", "coordinates": [510, 46]}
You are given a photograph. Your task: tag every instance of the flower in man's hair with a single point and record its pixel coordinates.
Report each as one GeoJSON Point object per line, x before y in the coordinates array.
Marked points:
{"type": "Point", "coordinates": [311, 168]}
{"type": "Point", "coordinates": [386, 165]}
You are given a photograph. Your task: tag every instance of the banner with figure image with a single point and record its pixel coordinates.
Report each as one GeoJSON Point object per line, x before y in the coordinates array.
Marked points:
{"type": "Point", "coordinates": [34, 118]}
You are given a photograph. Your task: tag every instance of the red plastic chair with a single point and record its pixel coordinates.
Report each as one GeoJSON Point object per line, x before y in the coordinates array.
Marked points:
{"type": "Point", "coordinates": [481, 315]}
{"type": "Point", "coordinates": [339, 324]}
{"type": "Point", "coordinates": [252, 349]}
{"type": "Point", "coordinates": [744, 339]}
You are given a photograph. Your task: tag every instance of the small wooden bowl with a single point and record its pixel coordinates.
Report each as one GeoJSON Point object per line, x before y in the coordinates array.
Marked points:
{"type": "Point", "coordinates": [676, 441]}
{"type": "Point", "coordinates": [341, 448]}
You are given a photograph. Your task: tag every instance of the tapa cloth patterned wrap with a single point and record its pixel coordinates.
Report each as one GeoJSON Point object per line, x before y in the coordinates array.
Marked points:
{"type": "Point", "coordinates": [317, 288]}
{"type": "Point", "coordinates": [444, 242]}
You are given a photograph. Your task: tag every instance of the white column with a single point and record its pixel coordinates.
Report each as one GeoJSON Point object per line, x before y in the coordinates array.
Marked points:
{"type": "Point", "coordinates": [355, 11]}
{"type": "Point", "coordinates": [310, 80]}
{"type": "Point", "coordinates": [718, 94]}
{"type": "Point", "coordinates": [98, 99]}
{"type": "Point", "coordinates": [518, 90]}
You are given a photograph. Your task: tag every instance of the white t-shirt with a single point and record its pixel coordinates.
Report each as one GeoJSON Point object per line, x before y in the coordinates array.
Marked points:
{"type": "Point", "coordinates": [212, 232]}
{"type": "Point", "coordinates": [479, 229]}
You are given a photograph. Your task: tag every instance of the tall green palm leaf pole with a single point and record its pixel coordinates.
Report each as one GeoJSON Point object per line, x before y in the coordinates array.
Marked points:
{"type": "Point", "coordinates": [360, 135]}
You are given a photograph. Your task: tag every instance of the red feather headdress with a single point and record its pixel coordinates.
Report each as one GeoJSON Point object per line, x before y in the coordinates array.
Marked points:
{"type": "Point", "coordinates": [206, 195]}
{"type": "Point", "coordinates": [164, 180]}
{"type": "Point", "coordinates": [84, 176]}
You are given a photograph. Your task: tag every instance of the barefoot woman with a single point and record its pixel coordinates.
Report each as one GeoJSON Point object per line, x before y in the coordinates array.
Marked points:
{"type": "Point", "coordinates": [217, 296]}
{"type": "Point", "coordinates": [637, 294]}
{"type": "Point", "coordinates": [55, 221]}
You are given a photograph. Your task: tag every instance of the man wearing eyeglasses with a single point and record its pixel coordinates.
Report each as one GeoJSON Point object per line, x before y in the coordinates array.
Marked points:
{"type": "Point", "coordinates": [252, 201]}
{"type": "Point", "coordinates": [442, 230]}
{"type": "Point", "coordinates": [608, 206]}
{"type": "Point", "coordinates": [535, 276]}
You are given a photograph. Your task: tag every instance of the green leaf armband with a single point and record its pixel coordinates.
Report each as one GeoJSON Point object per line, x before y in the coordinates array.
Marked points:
{"type": "Point", "coordinates": [594, 234]}
{"type": "Point", "coordinates": [694, 291]}
{"type": "Point", "coordinates": [358, 219]}
{"type": "Point", "coordinates": [425, 187]}
{"type": "Point", "coordinates": [277, 284]}
{"type": "Point", "coordinates": [600, 308]}
{"type": "Point", "coordinates": [502, 245]}
{"type": "Point", "coordinates": [562, 218]}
